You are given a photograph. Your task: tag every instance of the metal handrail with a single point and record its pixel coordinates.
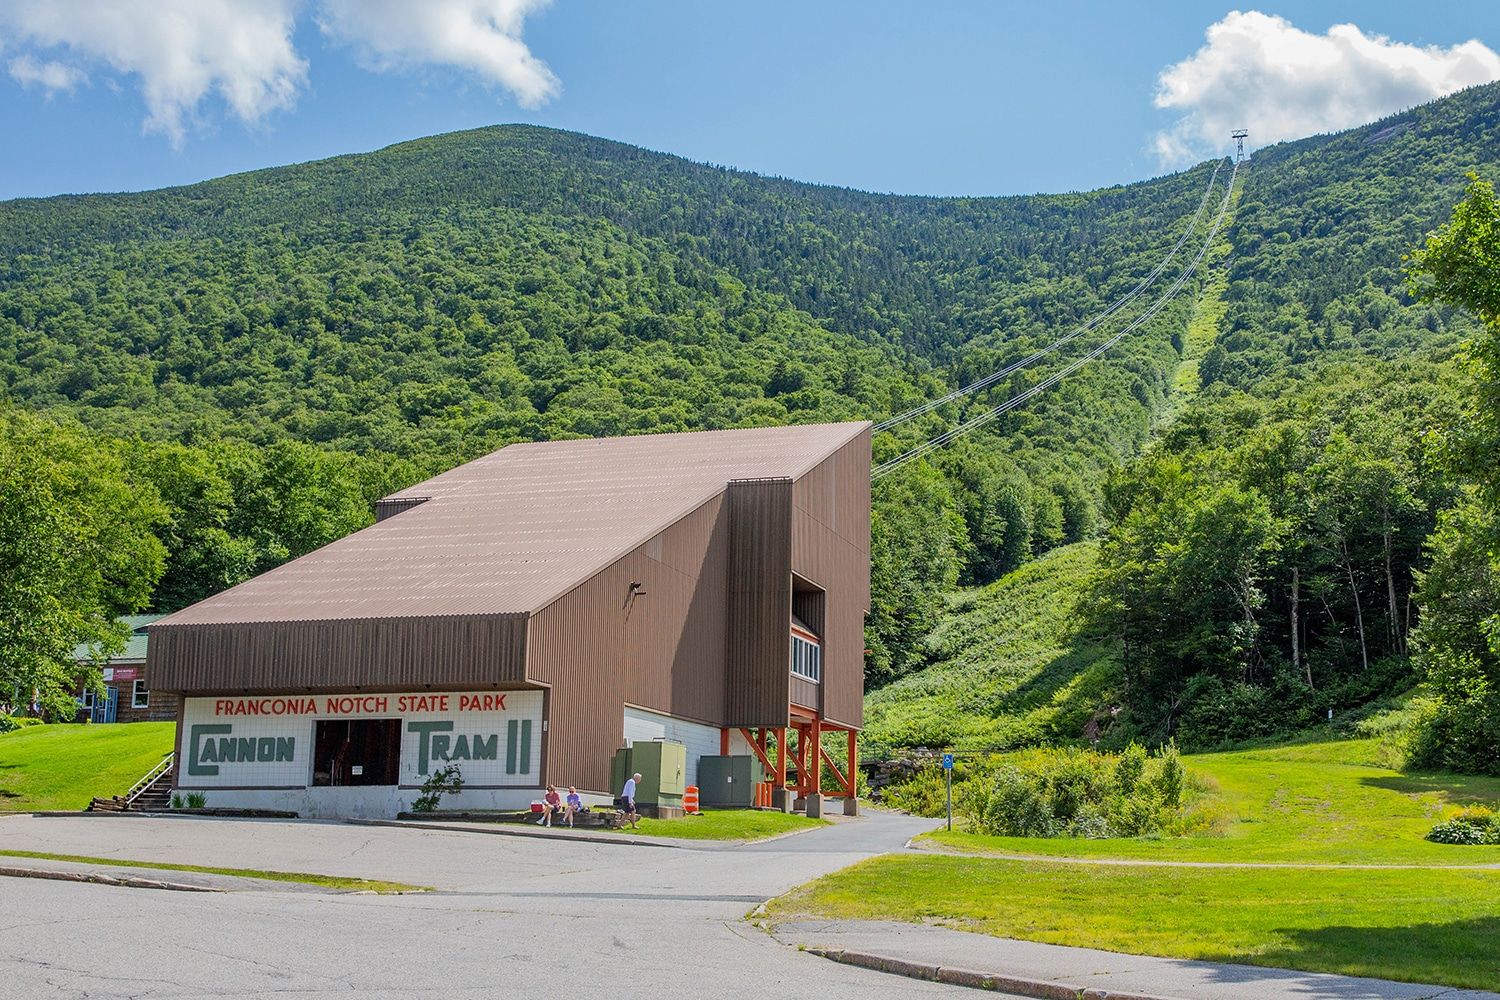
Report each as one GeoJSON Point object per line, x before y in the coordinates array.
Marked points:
{"type": "Point", "coordinates": [164, 765]}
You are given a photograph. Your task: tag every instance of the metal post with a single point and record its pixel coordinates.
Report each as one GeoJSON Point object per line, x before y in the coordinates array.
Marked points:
{"type": "Point", "coordinates": [948, 781]}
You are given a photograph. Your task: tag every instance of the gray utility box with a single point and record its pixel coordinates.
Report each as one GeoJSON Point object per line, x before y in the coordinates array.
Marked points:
{"type": "Point", "coordinates": [728, 782]}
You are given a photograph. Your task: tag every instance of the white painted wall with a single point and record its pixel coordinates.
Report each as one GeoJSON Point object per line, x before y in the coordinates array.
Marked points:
{"type": "Point", "coordinates": [289, 722]}
{"type": "Point", "coordinates": [373, 802]}
{"type": "Point", "coordinates": [701, 740]}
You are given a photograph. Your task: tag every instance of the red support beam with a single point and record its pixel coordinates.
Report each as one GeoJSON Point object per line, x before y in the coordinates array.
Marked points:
{"type": "Point", "coordinates": [781, 748]}
{"type": "Point", "coordinates": [802, 775]}
{"type": "Point", "coordinates": [815, 759]}
{"type": "Point", "coordinates": [853, 764]}
{"type": "Point", "coordinates": [759, 746]}
{"type": "Point", "coordinates": [837, 774]}
{"type": "Point", "coordinates": [723, 741]}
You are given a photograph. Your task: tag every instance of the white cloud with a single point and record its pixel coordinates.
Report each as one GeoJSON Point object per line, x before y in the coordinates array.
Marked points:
{"type": "Point", "coordinates": [479, 36]}
{"type": "Point", "coordinates": [181, 50]}
{"type": "Point", "coordinates": [50, 76]}
{"type": "Point", "coordinates": [1262, 73]}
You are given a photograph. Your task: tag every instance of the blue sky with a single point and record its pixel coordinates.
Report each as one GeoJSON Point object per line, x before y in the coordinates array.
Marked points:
{"type": "Point", "coordinates": [939, 98]}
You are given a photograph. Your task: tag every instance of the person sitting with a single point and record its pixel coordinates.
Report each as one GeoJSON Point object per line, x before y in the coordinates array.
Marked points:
{"type": "Point", "coordinates": [573, 806]}
{"type": "Point", "coordinates": [551, 803]}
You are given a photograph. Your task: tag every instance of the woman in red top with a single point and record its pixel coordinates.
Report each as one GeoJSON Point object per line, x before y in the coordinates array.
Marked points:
{"type": "Point", "coordinates": [551, 803]}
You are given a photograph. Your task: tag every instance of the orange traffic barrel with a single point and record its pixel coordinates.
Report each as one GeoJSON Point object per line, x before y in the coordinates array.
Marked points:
{"type": "Point", "coordinates": [690, 799]}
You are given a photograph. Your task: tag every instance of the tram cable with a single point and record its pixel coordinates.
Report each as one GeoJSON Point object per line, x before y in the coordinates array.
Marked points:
{"type": "Point", "coordinates": [1114, 307]}
{"type": "Point", "coordinates": [891, 465]}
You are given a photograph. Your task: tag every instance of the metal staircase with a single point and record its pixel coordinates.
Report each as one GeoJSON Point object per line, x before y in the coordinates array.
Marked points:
{"type": "Point", "coordinates": [153, 793]}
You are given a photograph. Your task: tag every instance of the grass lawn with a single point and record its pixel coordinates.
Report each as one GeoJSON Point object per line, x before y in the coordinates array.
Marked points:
{"type": "Point", "coordinates": [327, 881]}
{"type": "Point", "coordinates": [1326, 804]}
{"type": "Point", "coordinates": [1414, 925]}
{"type": "Point", "coordinates": [727, 824]}
{"type": "Point", "coordinates": [64, 766]}
{"type": "Point", "coordinates": [1323, 803]}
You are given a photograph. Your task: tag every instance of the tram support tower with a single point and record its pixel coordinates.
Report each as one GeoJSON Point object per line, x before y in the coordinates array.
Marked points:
{"type": "Point", "coordinates": [1239, 135]}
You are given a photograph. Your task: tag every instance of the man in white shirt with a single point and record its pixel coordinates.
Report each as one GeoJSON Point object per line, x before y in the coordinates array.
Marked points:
{"type": "Point", "coordinates": [627, 799]}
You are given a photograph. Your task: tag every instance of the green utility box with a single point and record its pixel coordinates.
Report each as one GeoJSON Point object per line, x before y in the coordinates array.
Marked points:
{"type": "Point", "coordinates": [662, 766]}
{"type": "Point", "coordinates": [728, 782]}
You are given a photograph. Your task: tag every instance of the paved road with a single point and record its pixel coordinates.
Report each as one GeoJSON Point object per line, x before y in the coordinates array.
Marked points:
{"type": "Point", "coordinates": [510, 915]}
{"type": "Point", "coordinates": [1085, 968]}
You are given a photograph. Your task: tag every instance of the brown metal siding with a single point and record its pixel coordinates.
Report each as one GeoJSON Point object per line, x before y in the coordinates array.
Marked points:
{"type": "Point", "coordinates": [805, 693]}
{"type": "Point", "coordinates": [831, 548]}
{"type": "Point", "coordinates": [664, 650]}
{"type": "Point", "coordinates": [390, 653]}
{"type": "Point", "coordinates": [760, 600]}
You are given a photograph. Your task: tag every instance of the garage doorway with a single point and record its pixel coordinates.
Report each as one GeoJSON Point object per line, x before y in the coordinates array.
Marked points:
{"type": "Point", "coordinates": [356, 752]}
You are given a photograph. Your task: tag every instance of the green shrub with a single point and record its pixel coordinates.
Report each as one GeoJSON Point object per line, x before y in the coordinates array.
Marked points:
{"type": "Point", "coordinates": [1015, 806]}
{"type": "Point", "coordinates": [1068, 792]}
{"type": "Point", "coordinates": [10, 723]}
{"type": "Point", "coordinates": [1131, 767]}
{"type": "Point", "coordinates": [445, 780]}
{"type": "Point", "coordinates": [1474, 825]}
{"type": "Point", "coordinates": [197, 800]}
{"type": "Point", "coordinates": [1171, 776]}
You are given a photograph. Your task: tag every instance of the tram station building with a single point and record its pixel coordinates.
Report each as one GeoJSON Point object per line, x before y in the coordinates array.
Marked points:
{"type": "Point", "coordinates": [527, 614]}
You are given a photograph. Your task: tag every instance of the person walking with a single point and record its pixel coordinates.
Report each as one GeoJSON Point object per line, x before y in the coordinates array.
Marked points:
{"type": "Point", "coordinates": [627, 798]}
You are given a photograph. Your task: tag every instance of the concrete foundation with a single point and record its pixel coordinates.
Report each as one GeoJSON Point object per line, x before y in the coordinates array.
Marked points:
{"type": "Point", "coordinates": [814, 806]}
{"type": "Point", "coordinates": [782, 798]}
{"type": "Point", "coordinates": [851, 806]}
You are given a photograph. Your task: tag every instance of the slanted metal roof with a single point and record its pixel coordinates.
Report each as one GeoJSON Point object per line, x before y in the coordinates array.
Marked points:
{"type": "Point", "coordinates": [512, 531]}
{"type": "Point", "coordinates": [135, 646]}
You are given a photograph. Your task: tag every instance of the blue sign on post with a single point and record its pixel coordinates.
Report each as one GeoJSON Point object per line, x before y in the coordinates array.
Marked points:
{"type": "Point", "coordinates": [948, 781]}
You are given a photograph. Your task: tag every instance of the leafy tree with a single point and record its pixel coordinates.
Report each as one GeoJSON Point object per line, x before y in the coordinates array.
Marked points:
{"type": "Point", "coordinates": [1459, 637]}
{"type": "Point", "coordinates": [1459, 640]}
{"type": "Point", "coordinates": [917, 546]}
{"type": "Point", "coordinates": [76, 549]}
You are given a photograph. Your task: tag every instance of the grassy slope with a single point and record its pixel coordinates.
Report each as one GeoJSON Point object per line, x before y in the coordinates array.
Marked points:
{"type": "Point", "coordinates": [1329, 803]}
{"type": "Point", "coordinates": [1007, 668]}
{"type": "Point", "coordinates": [1312, 804]}
{"type": "Point", "coordinates": [1203, 329]}
{"type": "Point", "coordinates": [63, 767]}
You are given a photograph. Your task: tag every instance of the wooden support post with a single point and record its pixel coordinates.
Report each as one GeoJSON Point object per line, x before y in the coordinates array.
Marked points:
{"type": "Point", "coordinates": [723, 741]}
{"type": "Point", "coordinates": [801, 771]}
{"type": "Point", "coordinates": [852, 763]}
{"type": "Point", "coordinates": [781, 758]}
{"type": "Point", "coordinates": [815, 758]}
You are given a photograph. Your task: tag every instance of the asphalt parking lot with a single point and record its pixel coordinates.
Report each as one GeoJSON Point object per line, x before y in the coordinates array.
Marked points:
{"type": "Point", "coordinates": [509, 916]}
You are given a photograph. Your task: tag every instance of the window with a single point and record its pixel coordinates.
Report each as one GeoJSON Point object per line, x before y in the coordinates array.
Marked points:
{"type": "Point", "coordinates": [807, 659]}
{"type": "Point", "coordinates": [88, 699]}
{"type": "Point", "coordinates": [140, 697]}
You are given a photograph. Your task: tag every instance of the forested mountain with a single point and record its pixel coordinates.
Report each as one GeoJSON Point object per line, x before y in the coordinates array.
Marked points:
{"type": "Point", "coordinates": [383, 316]}
{"type": "Point", "coordinates": [1263, 560]}
{"type": "Point", "coordinates": [270, 350]}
